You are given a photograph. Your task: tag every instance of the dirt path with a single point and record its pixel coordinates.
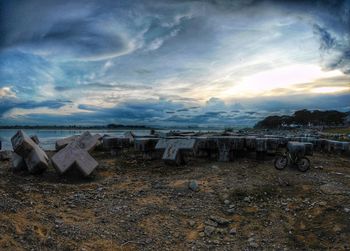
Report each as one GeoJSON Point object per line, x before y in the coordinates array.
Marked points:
{"type": "Point", "coordinates": [131, 204]}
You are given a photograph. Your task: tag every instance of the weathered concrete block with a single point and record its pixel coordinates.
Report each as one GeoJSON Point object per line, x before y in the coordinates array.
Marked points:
{"type": "Point", "coordinates": [250, 143]}
{"type": "Point", "coordinates": [110, 143]}
{"type": "Point", "coordinates": [18, 163]}
{"type": "Point", "coordinates": [88, 142]}
{"type": "Point", "coordinates": [334, 146]}
{"type": "Point", "coordinates": [35, 158]}
{"type": "Point", "coordinates": [145, 144]}
{"type": "Point", "coordinates": [261, 144]}
{"type": "Point", "coordinates": [296, 149]}
{"type": "Point", "coordinates": [74, 156]}
{"type": "Point", "coordinates": [130, 135]}
{"type": "Point", "coordinates": [173, 149]}
{"type": "Point", "coordinates": [22, 144]}
{"type": "Point", "coordinates": [227, 145]}
{"type": "Point", "coordinates": [61, 143]}
{"type": "Point", "coordinates": [35, 139]}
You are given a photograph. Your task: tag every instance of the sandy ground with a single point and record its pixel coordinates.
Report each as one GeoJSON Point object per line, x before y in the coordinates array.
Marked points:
{"type": "Point", "coordinates": [132, 204]}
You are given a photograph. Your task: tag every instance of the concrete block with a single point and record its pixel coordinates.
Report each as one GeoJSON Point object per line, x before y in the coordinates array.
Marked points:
{"type": "Point", "coordinates": [34, 157]}
{"type": "Point", "coordinates": [110, 143]}
{"type": "Point", "coordinates": [205, 147]}
{"type": "Point", "coordinates": [22, 144]}
{"type": "Point", "coordinates": [296, 149]}
{"type": "Point", "coordinates": [145, 144]}
{"type": "Point", "coordinates": [35, 139]}
{"type": "Point", "coordinates": [74, 156]}
{"type": "Point", "coordinates": [61, 143]}
{"type": "Point", "coordinates": [250, 142]}
{"type": "Point", "coordinates": [130, 135]}
{"type": "Point", "coordinates": [261, 144]}
{"type": "Point", "coordinates": [37, 160]}
{"type": "Point", "coordinates": [18, 163]}
{"type": "Point", "coordinates": [88, 142]}
{"type": "Point", "coordinates": [174, 148]}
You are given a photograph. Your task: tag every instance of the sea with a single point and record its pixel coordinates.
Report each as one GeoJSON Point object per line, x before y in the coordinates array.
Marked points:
{"type": "Point", "coordinates": [48, 137]}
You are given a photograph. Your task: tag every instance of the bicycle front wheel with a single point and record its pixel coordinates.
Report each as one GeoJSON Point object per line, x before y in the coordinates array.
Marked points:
{"type": "Point", "coordinates": [303, 164]}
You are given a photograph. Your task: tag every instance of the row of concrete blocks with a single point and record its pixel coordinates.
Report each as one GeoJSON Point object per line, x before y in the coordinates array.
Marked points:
{"type": "Point", "coordinates": [72, 152]}
{"type": "Point", "coordinates": [172, 150]}
{"type": "Point", "coordinates": [325, 145]}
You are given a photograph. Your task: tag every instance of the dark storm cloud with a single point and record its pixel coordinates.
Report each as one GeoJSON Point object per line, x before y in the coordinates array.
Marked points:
{"type": "Point", "coordinates": [8, 104]}
{"type": "Point", "coordinates": [326, 40]}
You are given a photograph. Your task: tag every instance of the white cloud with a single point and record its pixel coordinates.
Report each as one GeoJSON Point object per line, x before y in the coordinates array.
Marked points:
{"type": "Point", "coordinates": [7, 92]}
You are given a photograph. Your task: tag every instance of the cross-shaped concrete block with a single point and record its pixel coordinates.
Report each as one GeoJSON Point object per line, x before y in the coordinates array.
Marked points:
{"type": "Point", "coordinates": [174, 148]}
{"type": "Point", "coordinates": [76, 154]}
{"type": "Point", "coordinates": [34, 157]}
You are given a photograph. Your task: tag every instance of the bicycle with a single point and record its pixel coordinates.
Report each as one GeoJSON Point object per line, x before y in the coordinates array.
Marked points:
{"type": "Point", "coordinates": [283, 159]}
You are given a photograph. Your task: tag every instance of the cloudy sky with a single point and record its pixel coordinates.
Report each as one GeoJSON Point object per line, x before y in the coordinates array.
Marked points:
{"type": "Point", "coordinates": [171, 62]}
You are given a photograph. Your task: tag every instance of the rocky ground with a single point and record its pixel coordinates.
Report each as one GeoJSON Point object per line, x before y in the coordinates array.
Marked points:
{"type": "Point", "coordinates": [132, 204]}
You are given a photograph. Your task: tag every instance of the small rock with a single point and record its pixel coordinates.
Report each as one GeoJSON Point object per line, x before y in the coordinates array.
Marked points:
{"type": "Point", "coordinates": [246, 199]}
{"type": "Point", "coordinates": [231, 211]}
{"type": "Point", "coordinates": [201, 234]}
{"type": "Point", "coordinates": [220, 220]}
{"type": "Point", "coordinates": [211, 223]}
{"type": "Point", "coordinates": [191, 223]}
{"type": "Point", "coordinates": [233, 231]}
{"type": "Point", "coordinates": [226, 202]}
{"type": "Point", "coordinates": [347, 210]}
{"type": "Point", "coordinates": [193, 185]}
{"type": "Point", "coordinates": [209, 230]}
{"type": "Point", "coordinates": [231, 206]}
{"type": "Point", "coordinates": [214, 167]}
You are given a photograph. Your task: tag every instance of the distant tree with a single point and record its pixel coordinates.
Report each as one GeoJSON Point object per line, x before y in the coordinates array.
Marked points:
{"type": "Point", "coordinates": [303, 118]}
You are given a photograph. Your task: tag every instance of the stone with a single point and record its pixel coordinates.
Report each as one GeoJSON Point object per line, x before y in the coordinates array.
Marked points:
{"type": "Point", "coordinates": [347, 210]}
{"type": "Point", "coordinates": [209, 230]}
{"type": "Point", "coordinates": [193, 185]}
{"type": "Point", "coordinates": [211, 223]}
{"type": "Point", "coordinates": [220, 220]}
{"type": "Point", "coordinates": [174, 148]}
{"type": "Point", "coordinates": [233, 231]}
{"type": "Point", "coordinates": [192, 223]}
{"type": "Point", "coordinates": [226, 202]}
{"type": "Point", "coordinates": [34, 157]}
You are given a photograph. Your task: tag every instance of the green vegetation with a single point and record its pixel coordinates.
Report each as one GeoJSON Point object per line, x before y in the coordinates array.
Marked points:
{"type": "Point", "coordinates": [304, 118]}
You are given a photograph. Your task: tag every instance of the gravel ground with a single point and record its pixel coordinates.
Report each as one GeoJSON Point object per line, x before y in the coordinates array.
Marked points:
{"type": "Point", "coordinates": [132, 204]}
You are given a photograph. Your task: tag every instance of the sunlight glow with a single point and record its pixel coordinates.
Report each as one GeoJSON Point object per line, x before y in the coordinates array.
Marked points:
{"type": "Point", "coordinates": [279, 78]}
{"type": "Point", "coordinates": [330, 89]}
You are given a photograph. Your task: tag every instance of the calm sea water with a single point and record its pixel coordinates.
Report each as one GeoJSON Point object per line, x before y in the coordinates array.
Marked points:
{"type": "Point", "coordinates": [48, 137]}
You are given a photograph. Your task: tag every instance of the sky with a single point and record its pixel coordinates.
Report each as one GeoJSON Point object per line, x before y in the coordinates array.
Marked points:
{"type": "Point", "coordinates": [216, 63]}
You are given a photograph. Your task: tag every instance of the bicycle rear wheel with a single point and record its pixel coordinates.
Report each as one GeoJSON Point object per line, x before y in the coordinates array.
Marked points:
{"type": "Point", "coordinates": [281, 162]}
